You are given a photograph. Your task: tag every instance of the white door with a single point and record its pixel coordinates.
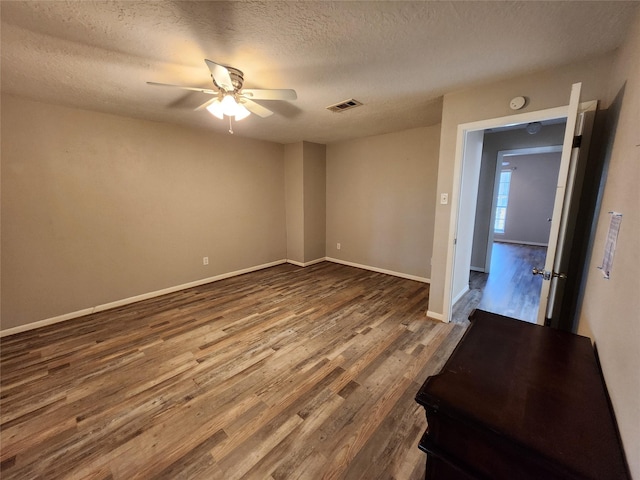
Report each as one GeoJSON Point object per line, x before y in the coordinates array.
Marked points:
{"type": "Point", "coordinates": [568, 160]}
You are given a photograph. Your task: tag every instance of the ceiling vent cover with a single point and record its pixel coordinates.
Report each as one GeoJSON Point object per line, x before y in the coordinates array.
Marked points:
{"type": "Point", "coordinates": [345, 105]}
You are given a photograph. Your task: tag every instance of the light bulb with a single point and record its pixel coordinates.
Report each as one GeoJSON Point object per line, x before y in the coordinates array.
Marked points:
{"type": "Point", "coordinates": [229, 106]}
{"type": "Point", "coordinates": [216, 109]}
{"type": "Point", "coordinates": [242, 112]}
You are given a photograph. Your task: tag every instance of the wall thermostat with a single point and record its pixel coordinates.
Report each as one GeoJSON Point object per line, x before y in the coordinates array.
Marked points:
{"type": "Point", "coordinates": [517, 103]}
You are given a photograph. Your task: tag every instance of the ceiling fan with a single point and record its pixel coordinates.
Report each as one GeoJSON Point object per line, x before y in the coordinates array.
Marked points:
{"type": "Point", "coordinates": [230, 98]}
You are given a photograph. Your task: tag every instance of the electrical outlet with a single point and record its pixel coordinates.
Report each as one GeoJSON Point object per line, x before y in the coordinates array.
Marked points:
{"type": "Point", "coordinates": [338, 246]}
{"type": "Point", "coordinates": [205, 260]}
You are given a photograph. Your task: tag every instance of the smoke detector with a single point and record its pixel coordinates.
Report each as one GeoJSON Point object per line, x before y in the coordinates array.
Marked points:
{"type": "Point", "coordinates": [517, 103]}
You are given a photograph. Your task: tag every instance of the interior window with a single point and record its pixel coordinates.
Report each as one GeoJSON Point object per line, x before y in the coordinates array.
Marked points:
{"type": "Point", "coordinates": [503, 200]}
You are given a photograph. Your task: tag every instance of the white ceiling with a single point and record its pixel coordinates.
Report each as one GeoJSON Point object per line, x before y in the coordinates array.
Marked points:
{"type": "Point", "coordinates": [397, 58]}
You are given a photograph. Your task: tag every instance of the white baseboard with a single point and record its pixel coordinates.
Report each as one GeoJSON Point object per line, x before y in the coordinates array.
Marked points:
{"type": "Point", "coordinates": [518, 242]}
{"type": "Point", "coordinates": [306, 264]}
{"type": "Point", "coordinates": [379, 270]}
{"type": "Point", "coordinates": [47, 321]}
{"type": "Point", "coordinates": [435, 316]}
{"type": "Point", "coordinates": [196, 283]}
{"type": "Point", "coordinates": [460, 294]}
{"type": "Point", "coordinates": [137, 298]}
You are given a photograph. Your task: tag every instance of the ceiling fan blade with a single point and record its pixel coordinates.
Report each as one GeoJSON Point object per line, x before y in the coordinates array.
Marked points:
{"type": "Point", "coordinates": [193, 89]}
{"type": "Point", "coordinates": [269, 94]}
{"type": "Point", "coordinates": [220, 75]}
{"type": "Point", "coordinates": [253, 107]}
{"type": "Point", "coordinates": [205, 104]}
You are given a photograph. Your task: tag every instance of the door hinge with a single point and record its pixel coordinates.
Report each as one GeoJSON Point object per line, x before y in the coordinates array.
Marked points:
{"type": "Point", "coordinates": [577, 141]}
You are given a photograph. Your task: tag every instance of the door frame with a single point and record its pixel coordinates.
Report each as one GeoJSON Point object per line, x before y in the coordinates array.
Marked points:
{"type": "Point", "coordinates": [469, 153]}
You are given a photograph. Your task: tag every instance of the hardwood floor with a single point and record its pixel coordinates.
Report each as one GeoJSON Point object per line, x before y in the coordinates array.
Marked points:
{"type": "Point", "coordinates": [283, 373]}
{"type": "Point", "coordinates": [510, 289]}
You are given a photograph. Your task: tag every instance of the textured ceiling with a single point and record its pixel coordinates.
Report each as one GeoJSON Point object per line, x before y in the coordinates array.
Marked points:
{"type": "Point", "coordinates": [397, 58]}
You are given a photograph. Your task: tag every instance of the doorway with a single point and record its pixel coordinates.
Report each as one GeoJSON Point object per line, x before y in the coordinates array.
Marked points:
{"type": "Point", "coordinates": [512, 218]}
{"type": "Point", "coordinates": [465, 190]}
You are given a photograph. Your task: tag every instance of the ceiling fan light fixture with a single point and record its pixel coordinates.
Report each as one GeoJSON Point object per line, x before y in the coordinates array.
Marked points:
{"type": "Point", "coordinates": [229, 107]}
{"type": "Point", "coordinates": [216, 109]}
{"type": "Point", "coordinates": [231, 100]}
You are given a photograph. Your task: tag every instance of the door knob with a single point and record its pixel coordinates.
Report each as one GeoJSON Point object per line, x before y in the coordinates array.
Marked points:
{"type": "Point", "coordinates": [541, 271]}
{"type": "Point", "coordinates": [547, 275]}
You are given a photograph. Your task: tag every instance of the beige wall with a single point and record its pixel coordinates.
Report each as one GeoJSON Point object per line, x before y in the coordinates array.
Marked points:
{"type": "Point", "coordinates": [545, 90]}
{"type": "Point", "coordinates": [315, 212]}
{"type": "Point", "coordinates": [534, 179]}
{"type": "Point", "coordinates": [611, 307]}
{"type": "Point", "coordinates": [97, 208]}
{"type": "Point", "coordinates": [380, 200]}
{"type": "Point", "coordinates": [305, 186]}
{"type": "Point", "coordinates": [294, 188]}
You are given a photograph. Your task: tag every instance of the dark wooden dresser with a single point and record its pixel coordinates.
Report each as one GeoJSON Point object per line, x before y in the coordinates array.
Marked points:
{"type": "Point", "coordinates": [519, 401]}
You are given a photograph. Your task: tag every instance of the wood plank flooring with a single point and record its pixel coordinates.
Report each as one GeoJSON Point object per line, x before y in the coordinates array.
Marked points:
{"type": "Point", "coordinates": [284, 373]}
{"type": "Point", "coordinates": [510, 289]}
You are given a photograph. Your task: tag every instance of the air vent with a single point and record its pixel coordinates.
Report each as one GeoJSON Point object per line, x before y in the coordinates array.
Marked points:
{"type": "Point", "coordinates": [346, 105]}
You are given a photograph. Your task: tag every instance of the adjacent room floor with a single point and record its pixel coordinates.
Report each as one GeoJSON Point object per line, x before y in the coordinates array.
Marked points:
{"type": "Point", "coordinates": [510, 288]}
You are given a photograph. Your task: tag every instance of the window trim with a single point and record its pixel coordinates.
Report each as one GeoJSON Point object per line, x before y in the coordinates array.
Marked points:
{"type": "Point", "coordinates": [505, 172]}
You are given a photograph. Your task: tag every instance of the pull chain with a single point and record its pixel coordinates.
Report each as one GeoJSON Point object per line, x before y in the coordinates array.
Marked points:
{"type": "Point", "coordinates": [230, 127]}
